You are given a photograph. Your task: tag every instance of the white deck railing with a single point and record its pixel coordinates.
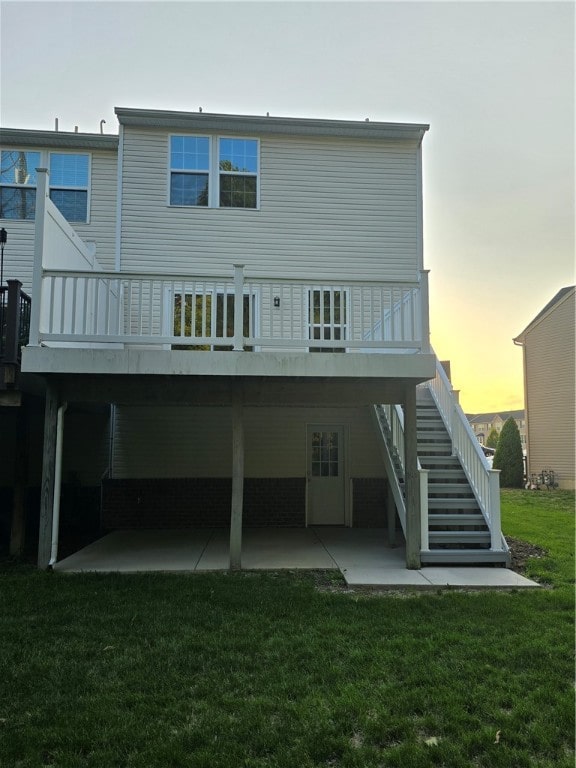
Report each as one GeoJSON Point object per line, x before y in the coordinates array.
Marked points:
{"type": "Point", "coordinates": [87, 307]}
{"type": "Point", "coordinates": [485, 482]}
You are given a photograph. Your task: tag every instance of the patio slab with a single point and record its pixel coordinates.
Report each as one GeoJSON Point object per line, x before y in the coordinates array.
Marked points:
{"type": "Point", "coordinates": [268, 549]}
{"type": "Point", "coordinates": [362, 555]}
{"type": "Point", "coordinates": [134, 551]}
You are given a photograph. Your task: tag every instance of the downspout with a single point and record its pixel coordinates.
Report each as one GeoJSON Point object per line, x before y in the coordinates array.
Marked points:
{"type": "Point", "coordinates": [57, 484]}
{"type": "Point", "coordinates": [119, 195]}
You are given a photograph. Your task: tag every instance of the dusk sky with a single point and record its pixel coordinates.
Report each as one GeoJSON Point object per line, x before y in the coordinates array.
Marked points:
{"type": "Point", "coordinates": [494, 80]}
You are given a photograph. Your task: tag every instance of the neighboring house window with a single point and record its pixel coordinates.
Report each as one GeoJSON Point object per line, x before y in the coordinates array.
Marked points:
{"type": "Point", "coordinates": [189, 170]}
{"type": "Point", "coordinates": [18, 184]}
{"type": "Point", "coordinates": [238, 166]}
{"type": "Point", "coordinates": [214, 173]}
{"type": "Point", "coordinates": [327, 317]}
{"type": "Point", "coordinates": [69, 174]}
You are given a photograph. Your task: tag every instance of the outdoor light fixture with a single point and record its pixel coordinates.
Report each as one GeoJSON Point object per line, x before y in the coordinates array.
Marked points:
{"type": "Point", "coordinates": [276, 301]}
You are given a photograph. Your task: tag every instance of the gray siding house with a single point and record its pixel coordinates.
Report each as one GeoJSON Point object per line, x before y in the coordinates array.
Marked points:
{"type": "Point", "coordinates": [229, 328]}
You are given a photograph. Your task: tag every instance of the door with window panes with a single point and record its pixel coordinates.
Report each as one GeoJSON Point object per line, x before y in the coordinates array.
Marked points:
{"type": "Point", "coordinates": [326, 475]}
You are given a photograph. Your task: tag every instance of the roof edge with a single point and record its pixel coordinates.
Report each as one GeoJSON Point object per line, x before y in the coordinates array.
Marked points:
{"type": "Point", "coordinates": [264, 124]}
{"type": "Point", "coordinates": [33, 138]}
{"type": "Point", "coordinates": [558, 298]}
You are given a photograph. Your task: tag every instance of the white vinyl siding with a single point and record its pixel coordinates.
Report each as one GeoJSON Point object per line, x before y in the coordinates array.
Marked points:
{"type": "Point", "coordinates": [19, 250]}
{"type": "Point", "coordinates": [550, 402]}
{"type": "Point", "coordinates": [197, 442]}
{"type": "Point", "coordinates": [332, 207]}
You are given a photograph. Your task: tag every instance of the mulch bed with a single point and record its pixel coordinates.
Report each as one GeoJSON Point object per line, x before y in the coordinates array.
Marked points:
{"type": "Point", "coordinates": [521, 551]}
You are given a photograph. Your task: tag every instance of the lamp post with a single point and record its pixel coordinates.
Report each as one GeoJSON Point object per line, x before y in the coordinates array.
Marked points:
{"type": "Point", "coordinates": [3, 238]}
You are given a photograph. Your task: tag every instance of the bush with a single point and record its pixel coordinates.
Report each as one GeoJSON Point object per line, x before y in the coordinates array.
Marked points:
{"type": "Point", "coordinates": [492, 441]}
{"type": "Point", "coordinates": [508, 456]}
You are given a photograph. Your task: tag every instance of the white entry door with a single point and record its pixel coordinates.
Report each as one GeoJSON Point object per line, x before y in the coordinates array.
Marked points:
{"type": "Point", "coordinates": [326, 475]}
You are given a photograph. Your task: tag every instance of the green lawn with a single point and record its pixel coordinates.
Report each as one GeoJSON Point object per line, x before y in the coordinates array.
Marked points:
{"type": "Point", "coordinates": [265, 670]}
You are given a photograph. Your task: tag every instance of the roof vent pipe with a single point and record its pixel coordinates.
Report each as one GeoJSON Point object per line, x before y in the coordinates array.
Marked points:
{"type": "Point", "coordinates": [56, 124]}
{"type": "Point", "coordinates": [75, 129]}
{"type": "Point", "coordinates": [102, 126]}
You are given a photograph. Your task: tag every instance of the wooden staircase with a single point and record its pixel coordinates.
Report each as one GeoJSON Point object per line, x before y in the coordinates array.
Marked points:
{"type": "Point", "coordinates": [458, 532]}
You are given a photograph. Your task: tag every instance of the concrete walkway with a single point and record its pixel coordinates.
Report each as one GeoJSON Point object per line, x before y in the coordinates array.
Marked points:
{"type": "Point", "coordinates": [362, 555]}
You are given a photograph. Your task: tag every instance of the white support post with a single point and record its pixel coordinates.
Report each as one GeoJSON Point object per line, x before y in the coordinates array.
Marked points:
{"type": "Point", "coordinates": [237, 481]}
{"type": "Point", "coordinates": [39, 228]}
{"type": "Point", "coordinates": [424, 537]}
{"type": "Point", "coordinates": [454, 425]}
{"type": "Point", "coordinates": [495, 519]}
{"type": "Point", "coordinates": [425, 310]}
{"type": "Point", "coordinates": [57, 484]}
{"type": "Point", "coordinates": [391, 514]}
{"type": "Point", "coordinates": [412, 480]}
{"type": "Point", "coordinates": [238, 307]}
{"type": "Point", "coordinates": [48, 469]}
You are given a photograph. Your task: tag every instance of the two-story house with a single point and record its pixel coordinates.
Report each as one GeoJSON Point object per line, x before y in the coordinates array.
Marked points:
{"type": "Point", "coordinates": [549, 355]}
{"type": "Point", "coordinates": [483, 424]}
{"type": "Point", "coordinates": [238, 306]}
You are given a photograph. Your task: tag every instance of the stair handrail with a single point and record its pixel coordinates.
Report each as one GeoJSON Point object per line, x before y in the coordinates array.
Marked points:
{"type": "Point", "coordinates": [397, 417]}
{"type": "Point", "coordinates": [393, 440]}
{"type": "Point", "coordinates": [484, 481]}
{"type": "Point", "coordinates": [381, 413]}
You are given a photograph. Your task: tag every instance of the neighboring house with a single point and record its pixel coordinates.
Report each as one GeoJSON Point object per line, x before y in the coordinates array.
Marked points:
{"type": "Point", "coordinates": [549, 383]}
{"type": "Point", "coordinates": [483, 423]}
{"type": "Point", "coordinates": [185, 277]}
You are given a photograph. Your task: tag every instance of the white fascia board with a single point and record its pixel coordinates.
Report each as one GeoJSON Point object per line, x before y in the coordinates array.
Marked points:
{"type": "Point", "coordinates": [250, 124]}
{"type": "Point", "coordinates": [21, 137]}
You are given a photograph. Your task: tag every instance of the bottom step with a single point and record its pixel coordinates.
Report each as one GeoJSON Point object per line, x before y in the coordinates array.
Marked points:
{"type": "Point", "coordinates": [463, 556]}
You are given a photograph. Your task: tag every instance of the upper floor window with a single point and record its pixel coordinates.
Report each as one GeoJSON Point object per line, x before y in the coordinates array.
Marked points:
{"type": "Point", "coordinates": [68, 178]}
{"type": "Point", "coordinates": [18, 184]}
{"type": "Point", "coordinates": [69, 185]}
{"type": "Point", "coordinates": [238, 165]}
{"type": "Point", "coordinates": [189, 170]}
{"type": "Point", "coordinates": [205, 172]}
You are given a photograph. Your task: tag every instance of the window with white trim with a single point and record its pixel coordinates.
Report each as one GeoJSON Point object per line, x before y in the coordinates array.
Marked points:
{"type": "Point", "coordinates": [18, 184]}
{"type": "Point", "coordinates": [238, 166]}
{"type": "Point", "coordinates": [69, 179]}
{"type": "Point", "coordinates": [69, 182]}
{"type": "Point", "coordinates": [189, 170]}
{"type": "Point", "coordinates": [212, 172]}
{"type": "Point", "coordinates": [327, 317]}
{"type": "Point", "coordinates": [209, 315]}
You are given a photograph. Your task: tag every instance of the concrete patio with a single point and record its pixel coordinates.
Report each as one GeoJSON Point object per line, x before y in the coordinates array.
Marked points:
{"type": "Point", "coordinates": [362, 555]}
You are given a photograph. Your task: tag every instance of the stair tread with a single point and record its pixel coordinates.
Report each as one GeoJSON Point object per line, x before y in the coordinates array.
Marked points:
{"type": "Point", "coordinates": [463, 537]}
{"type": "Point", "coordinates": [460, 519]}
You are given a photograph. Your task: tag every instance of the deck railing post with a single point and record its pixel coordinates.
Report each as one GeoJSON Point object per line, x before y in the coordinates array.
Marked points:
{"type": "Point", "coordinates": [40, 215]}
{"type": "Point", "coordinates": [12, 322]}
{"type": "Point", "coordinates": [238, 307]}
{"type": "Point", "coordinates": [495, 519]}
{"type": "Point", "coordinates": [425, 310]}
{"type": "Point", "coordinates": [424, 538]}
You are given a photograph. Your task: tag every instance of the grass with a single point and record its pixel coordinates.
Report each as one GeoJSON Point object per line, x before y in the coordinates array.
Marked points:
{"type": "Point", "coordinates": [256, 670]}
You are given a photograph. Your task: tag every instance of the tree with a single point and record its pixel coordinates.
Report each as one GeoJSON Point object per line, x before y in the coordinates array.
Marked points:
{"type": "Point", "coordinates": [493, 437]}
{"type": "Point", "coordinates": [508, 456]}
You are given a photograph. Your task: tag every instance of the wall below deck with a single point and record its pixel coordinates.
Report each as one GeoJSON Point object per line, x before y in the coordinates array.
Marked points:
{"type": "Point", "coordinates": [172, 467]}
{"type": "Point", "coordinates": [172, 442]}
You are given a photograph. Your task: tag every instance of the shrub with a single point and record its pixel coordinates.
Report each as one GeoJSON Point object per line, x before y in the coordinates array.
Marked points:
{"type": "Point", "coordinates": [508, 456]}
{"type": "Point", "coordinates": [492, 441]}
